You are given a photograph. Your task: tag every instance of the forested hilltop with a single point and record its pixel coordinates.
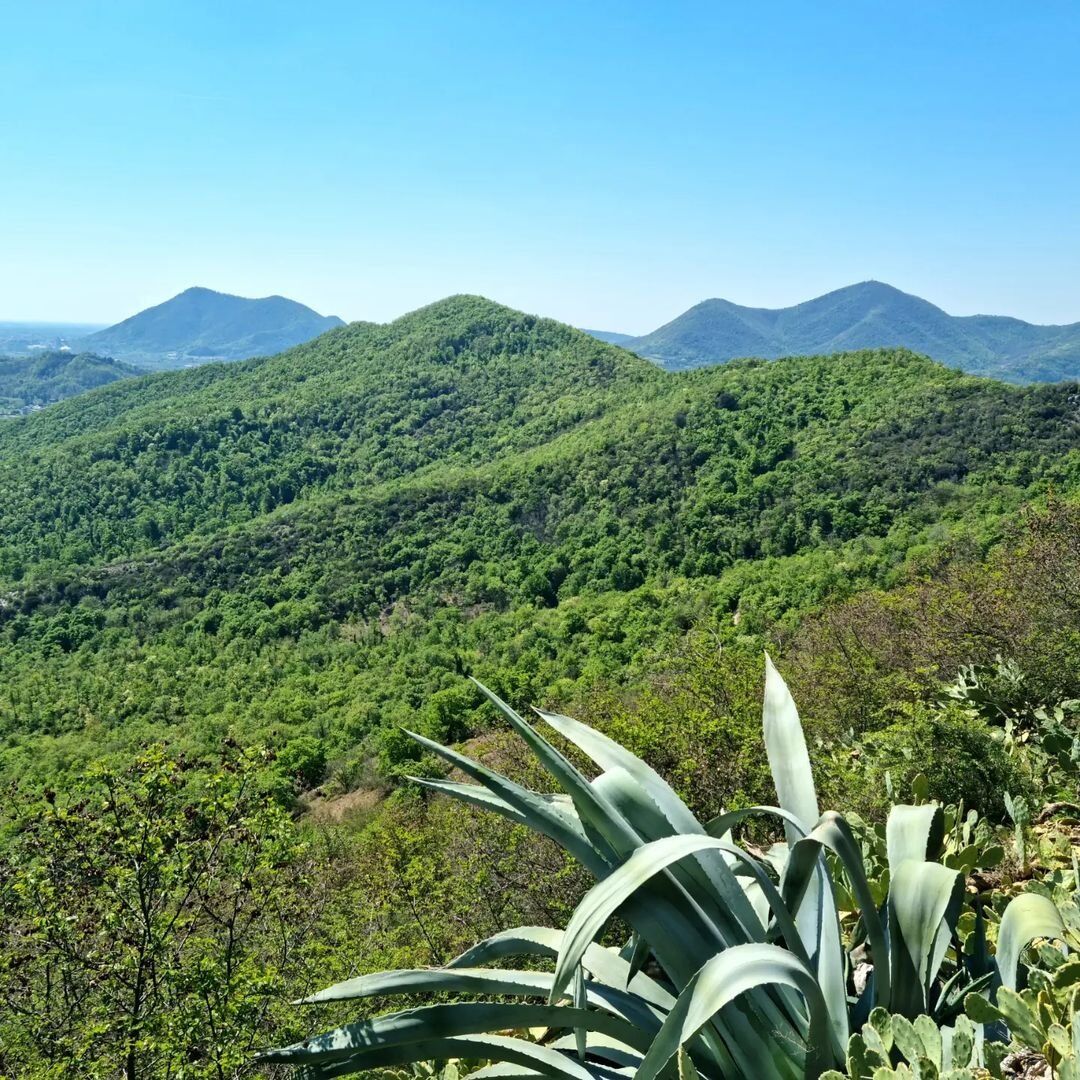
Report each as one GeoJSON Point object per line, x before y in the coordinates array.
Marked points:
{"type": "Point", "coordinates": [319, 545]}
{"type": "Point", "coordinates": [31, 382]}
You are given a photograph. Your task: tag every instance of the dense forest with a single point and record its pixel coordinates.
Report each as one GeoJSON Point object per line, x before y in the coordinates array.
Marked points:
{"type": "Point", "coordinates": [45, 377]}
{"type": "Point", "coordinates": [319, 543]}
{"type": "Point", "coordinates": [225, 592]}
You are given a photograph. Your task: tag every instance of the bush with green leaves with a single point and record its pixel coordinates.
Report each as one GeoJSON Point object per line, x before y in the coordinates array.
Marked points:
{"type": "Point", "coordinates": [727, 972]}
{"type": "Point", "coordinates": [1042, 740]}
{"type": "Point", "coordinates": [147, 921]}
{"type": "Point", "coordinates": [956, 752]}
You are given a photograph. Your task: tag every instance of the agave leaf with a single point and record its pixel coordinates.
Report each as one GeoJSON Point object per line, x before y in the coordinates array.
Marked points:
{"type": "Point", "coordinates": [608, 895]}
{"type": "Point", "coordinates": [913, 832]}
{"type": "Point", "coordinates": [636, 953]}
{"type": "Point", "coordinates": [463, 980]}
{"type": "Point", "coordinates": [669, 916]}
{"type": "Point", "coordinates": [687, 1071]}
{"type": "Point", "coordinates": [602, 1046]}
{"type": "Point", "coordinates": [817, 919]}
{"type": "Point", "coordinates": [447, 1021]}
{"type": "Point", "coordinates": [834, 833]}
{"type": "Point", "coordinates": [723, 823]}
{"type": "Point", "coordinates": [543, 815]}
{"type": "Point", "coordinates": [1027, 917]}
{"type": "Point", "coordinates": [581, 1001]}
{"type": "Point", "coordinates": [785, 745]}
{"type": "Point", "coordinates": [924, 902]}
{"type": "Point", "coordinates": [666, 914]}
{"type": "Point", "coordinates": [495, 1048]}
{"type": "Point", "coordinates": [706, 876]}
{"type": "Point", "coordinates": [608, 754]}
{"type": "Point", "coordinates": [777, 855]}
{"type": "Point", "coordinates": [671, 814]}
{"type": "Point", "coordinates": [504, 1070]}
{"type": "Point", "coordinates": [724, 978]}
{"type": "Point", "coordinates": [980, 961]}
{"type": "Point", "coordinates": [596, 812]}
{"type": "Point", "coordinates": [605, 966]}
{"type": "Point", "coordinates": [559, 805]}
{"type": "Point", "coordinates": [784, 926]}
{"type": "Point", "coordinates": [952, 993]}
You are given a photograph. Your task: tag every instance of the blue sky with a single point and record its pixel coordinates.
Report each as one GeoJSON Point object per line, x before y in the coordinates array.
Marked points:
{"type": "Point", "coordinates": [604, 163]}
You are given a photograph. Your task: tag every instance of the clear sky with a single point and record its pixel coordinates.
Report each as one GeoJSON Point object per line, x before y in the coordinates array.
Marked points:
{"type": "Point", "coordinates": [604, 163]}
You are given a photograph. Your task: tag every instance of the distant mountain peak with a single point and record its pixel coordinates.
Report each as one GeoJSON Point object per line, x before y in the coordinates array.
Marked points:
{"type": "Point", "coordinates": [201, 324]}
{"type": "Point", "coordinates": [865, 315]}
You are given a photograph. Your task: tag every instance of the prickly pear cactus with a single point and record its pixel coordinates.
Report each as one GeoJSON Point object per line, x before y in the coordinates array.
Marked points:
{"type": "Point", "coordinates": [895, 1048]}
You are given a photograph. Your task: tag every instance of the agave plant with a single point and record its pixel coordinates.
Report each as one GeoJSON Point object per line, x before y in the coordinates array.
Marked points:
{"type": "Point", "coordinates": [750, 975]}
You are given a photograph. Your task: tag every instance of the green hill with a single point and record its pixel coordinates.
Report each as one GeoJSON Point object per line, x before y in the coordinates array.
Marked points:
{"type": "Point", "coordinates": [322, 542]}
{"type": "Point", "coordinates": [865, 316]}
{"type": "Point", "coordinates": [200, 325]}
{"type": "Point", "coordinates": [28, 382]}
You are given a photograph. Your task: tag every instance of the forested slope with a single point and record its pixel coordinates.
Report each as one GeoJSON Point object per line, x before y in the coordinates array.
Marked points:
{"type": "Point", "coordinates": [321, 543]}
{"type": "Point", "coordinates": [46, 377]}
{"type": "Point", "coordinates": [461, 382]}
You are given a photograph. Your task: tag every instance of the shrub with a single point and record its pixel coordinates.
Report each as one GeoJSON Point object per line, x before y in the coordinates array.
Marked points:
{"type": "Point", "coordinates": [303, 760]}
{"type": "Point", "coordinates": [961, 756]}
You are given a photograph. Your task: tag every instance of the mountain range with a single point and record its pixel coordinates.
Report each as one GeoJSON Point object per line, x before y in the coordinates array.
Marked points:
{"type": "Point", "coordinates": [868, 315]}
{"type": "Point", "coordinates": [200, 325]}
{"type": "Point", "coordinates": [319, 544]}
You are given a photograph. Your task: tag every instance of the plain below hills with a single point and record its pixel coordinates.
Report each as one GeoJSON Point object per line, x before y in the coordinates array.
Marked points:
{"type": "Point", "coordinates": [870, 315]}
{"type": "Point", "coordinates": [200, 325]}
